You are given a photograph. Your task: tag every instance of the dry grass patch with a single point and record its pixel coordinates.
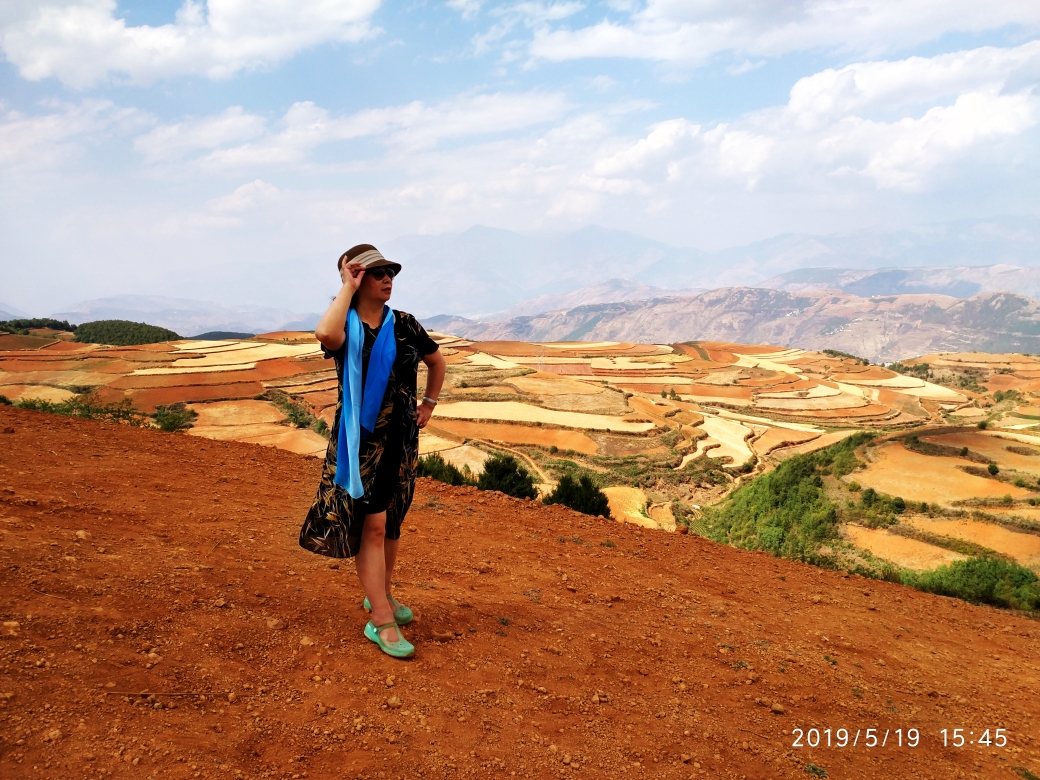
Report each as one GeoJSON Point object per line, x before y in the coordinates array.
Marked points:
{"type": "Point", "coordinates": [513, 411]}
{"type": "Point", "coordinates": [993, 447]}
{"type": "Point", "coordinates": [237, 413]}
{"type": "Point", "coordinates": [547, 383]}
{"type": "Point", "coordinates": [518, 434]}
{"type": "Point", "coordinates": [935, 479]}
{"type": "Point", "coordinates": [904, 552]}
{"type": "Point", "coordinates": [1020, 547]}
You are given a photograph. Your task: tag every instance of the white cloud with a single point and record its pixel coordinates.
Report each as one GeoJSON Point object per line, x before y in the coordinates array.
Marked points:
{"type": "Point", "coordinates": [468, 8]}
{"type": "Point", "coordinates": [305, 126]}
{"type": "Point", "coordinates": [34, 142]}
{"type": "Point", "coordinates": [686, 31]}
{"type": "Point", "coordinates": [900, 154]}
{"type": "Point", "coordinates": [916, 80]}
{"type": "Point", "coordinates": [245, 198]}
{"type": "Point", "coordinates": [84, 42]}
{"type": "Point", "coordinates": [176, 140]}
{"type": "Point", "coordinates": [660, 142]}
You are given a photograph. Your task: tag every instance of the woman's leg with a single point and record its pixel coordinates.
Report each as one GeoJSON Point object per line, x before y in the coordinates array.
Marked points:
{"type": "Point", "coordinates": [390, 558]}
{"type": "Point", "coordinates": [371, 568]}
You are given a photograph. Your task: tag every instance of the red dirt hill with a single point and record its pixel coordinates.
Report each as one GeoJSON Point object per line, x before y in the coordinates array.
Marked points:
{"type": "Point", "coordinates": [549, 644]}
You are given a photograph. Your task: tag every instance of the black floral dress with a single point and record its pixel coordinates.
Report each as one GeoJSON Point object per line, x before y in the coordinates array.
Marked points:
{"type": "Point", "coordinates": [387, 459]}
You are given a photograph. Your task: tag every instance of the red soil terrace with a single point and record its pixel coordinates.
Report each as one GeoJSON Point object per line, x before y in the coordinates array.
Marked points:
{"type": "Point", "coordinates": [185, 634]}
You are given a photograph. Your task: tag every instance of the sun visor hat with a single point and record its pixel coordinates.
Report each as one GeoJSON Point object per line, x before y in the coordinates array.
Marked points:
{"type": "Point", "coordinates": [369, 257]}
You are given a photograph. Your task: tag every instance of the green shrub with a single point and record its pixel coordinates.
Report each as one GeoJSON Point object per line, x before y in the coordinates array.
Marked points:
{"type": "Point", "coordinates": [23, 326]}
{"type": "Point", "coordinates": [983, 424]}
{"type": "Point", "coordinates": [122, 333]}
{"type": "Point", "coordinates": [981, 581]}
{"type": "Point", "coordinates": [321, 428]}
{"type": "Point", "coordinates": [504, 473]}
{"type": "Point", "coordinates": [88, 406]}
{"type": "Point", "coordinates": [4, 400]}
{"type": "Point", "coordinates": [175, 417]}
{"type": "Point", "coordinates": [993, 469]}
{"type": "Point", "coordinates": [869, 497]}
{"type": "Point", "coordinates": [435, 467]}
{"type": "Point", "coordinates": [785, 511]}
{"type": "Point", "coordinates": [580, 494]}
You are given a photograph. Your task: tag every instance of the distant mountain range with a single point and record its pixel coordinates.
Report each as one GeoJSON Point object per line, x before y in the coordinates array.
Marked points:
{"type": "Point", "coordinates": [883, 329]}
{"type": "Point", "coordinates": [485, 271]}
{"type": "Point", "coordinates": [8, 312]}
{"type": "Point", "coordinates": [187, 317]}
{"type": "Point", "coordinates": [491, 277]}
{"type": "Point", "coordinates": [958, 281]}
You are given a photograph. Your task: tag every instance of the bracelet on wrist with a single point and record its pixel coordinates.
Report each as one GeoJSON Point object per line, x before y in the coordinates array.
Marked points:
{"type": "Point", "coordinates": [430, 401]}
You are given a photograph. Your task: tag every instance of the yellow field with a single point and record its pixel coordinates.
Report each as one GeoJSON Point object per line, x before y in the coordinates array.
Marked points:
{"type": "Point", "coordinates": [908, 553]}
{"type": "Point", "coordinates": [1022, 547]}
{"type": "Point", "coordinates": [514, 411]}
{"type": "Point", "coordinates": [900, 472]}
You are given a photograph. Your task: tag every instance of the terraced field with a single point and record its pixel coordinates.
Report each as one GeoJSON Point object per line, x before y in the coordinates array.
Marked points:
{"type": "Point", "coordinates": [667, 428]}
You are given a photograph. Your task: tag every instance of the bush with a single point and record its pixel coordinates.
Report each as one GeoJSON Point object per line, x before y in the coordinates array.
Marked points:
{"type": "Point", "coordinates": [993, 469]}
{"type": "Point", "coordinates": [435, 467]}
{"type": "Point", "coordinates": [983, 424]}
{"type": "Point", "coordinates": [122, 333]}
{"type": "Point", "coordinates": [505, 474]}
{"type": "Point", "coordinates": [175, 417]}
{"type": "Point", "coordinates": [580, 494]}
{"type": "Point", "coordinates": [982, 581]}
{"type": "Point", "coordinates": [88, 406]}
{"type": "Point", "coordinates": [786, 511]}
{"type": "Point", "coordinates": [4, 400]}
{"type": "Point", "coordinates": [23, 327]}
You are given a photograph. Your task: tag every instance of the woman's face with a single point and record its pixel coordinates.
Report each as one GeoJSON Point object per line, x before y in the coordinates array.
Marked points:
{"type": "Point", "coordinates": [376, 290]}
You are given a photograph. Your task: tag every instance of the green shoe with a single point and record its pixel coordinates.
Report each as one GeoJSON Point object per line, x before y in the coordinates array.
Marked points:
{"type": "Point", "coordinates": [400, 649]}
{"type": "Point", "coordinates": [402, 615]}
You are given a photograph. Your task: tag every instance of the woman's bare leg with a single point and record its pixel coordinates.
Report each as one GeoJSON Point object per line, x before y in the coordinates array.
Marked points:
{"type": "Point", "coordinates": [371, 569]}
{"type": "Point", "coordinates": [390, 547]}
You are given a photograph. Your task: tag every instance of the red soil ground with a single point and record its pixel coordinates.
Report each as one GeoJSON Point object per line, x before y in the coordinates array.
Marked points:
{"type": "Point", "coordinates": [536, 657]}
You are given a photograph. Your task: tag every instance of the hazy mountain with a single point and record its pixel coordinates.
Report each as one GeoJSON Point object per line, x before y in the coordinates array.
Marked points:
{"type": "Point", "coordinates": [881, 328]}
{"type": "Point", "coordinates": [183, 315]}
{"type": "Point", "coordinates": [8, 312]}
{"type": "Point", "coordinates": [610, 291]}
{"type": "Point", "coordinates": [486, 270]}
{"type": "Point", "coordinates": [959, 281]}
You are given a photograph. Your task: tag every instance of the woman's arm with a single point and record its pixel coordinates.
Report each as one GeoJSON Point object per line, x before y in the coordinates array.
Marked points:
{"type": "Point", "coordinates": [330, 328]}
{"type": "Point", "coordinates": [435, 368]}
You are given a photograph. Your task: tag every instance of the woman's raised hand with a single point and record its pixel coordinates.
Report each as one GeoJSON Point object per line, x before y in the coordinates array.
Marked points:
{"type": "Point", "coordinates": [352, 273]}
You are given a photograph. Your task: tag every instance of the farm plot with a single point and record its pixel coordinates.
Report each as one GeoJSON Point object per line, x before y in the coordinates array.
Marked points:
{"type": "Point", "coordinates": [514, 411]}
{"type": "Point", "coordinates": [630, 505]}
{"type": "Point", "coordinates": [517, 434]}
{"type": "Point", "coordinates": [994, 447]}
{"type": "Point", "coordinates": [904, 552]}
{"type": "Point", "coordinates": [1023, 548]}
{"type": "Point", "coordinates": [935, 479]}
{"type": "Point", "coordinates": [730, 436]}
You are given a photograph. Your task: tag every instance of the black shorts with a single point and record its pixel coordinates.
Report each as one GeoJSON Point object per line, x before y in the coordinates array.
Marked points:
{"type": "Point", "coordinates": [386, 483]}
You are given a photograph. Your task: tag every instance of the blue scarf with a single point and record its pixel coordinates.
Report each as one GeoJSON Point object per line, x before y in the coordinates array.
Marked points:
{"type": "Point", "coordinates": [360, 408]}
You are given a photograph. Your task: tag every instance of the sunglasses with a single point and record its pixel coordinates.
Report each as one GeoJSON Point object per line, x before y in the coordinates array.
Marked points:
{"type": "Point", "coordinates": [379, 273]}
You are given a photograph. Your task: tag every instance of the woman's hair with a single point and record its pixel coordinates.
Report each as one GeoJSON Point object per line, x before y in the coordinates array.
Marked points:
{"type": "Point", "coordinates": [351, 253]}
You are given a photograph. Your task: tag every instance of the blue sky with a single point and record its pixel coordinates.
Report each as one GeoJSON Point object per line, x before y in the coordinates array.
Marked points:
{"type": "Point", "coordinates": [230, 150]}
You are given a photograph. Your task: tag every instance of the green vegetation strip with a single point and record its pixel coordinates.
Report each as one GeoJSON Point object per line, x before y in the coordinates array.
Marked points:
{"type": "Point", "coordinates": [122, 333]}
{"type": "Point", "coordinates": [792, 513]}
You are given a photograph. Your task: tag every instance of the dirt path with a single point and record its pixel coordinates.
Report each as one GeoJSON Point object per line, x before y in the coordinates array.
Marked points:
{"type": "Point", "coordinates": [617, 652]}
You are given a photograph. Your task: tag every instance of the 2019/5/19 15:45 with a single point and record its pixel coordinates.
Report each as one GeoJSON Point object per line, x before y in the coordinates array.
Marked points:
{"type": "Point", "coordinates": [956, 738]}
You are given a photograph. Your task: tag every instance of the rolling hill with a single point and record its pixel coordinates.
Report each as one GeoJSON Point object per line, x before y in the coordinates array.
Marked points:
{"type": "Point", "coordinates": [883, 329]}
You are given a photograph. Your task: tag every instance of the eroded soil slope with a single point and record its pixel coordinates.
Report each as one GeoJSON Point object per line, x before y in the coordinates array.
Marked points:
{"type": "Point", "coordinates": [549, 644]}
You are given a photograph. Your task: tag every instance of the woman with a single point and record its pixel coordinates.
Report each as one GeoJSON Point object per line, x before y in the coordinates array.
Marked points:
{"type": "Point", "coordinates": [369, 474]}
